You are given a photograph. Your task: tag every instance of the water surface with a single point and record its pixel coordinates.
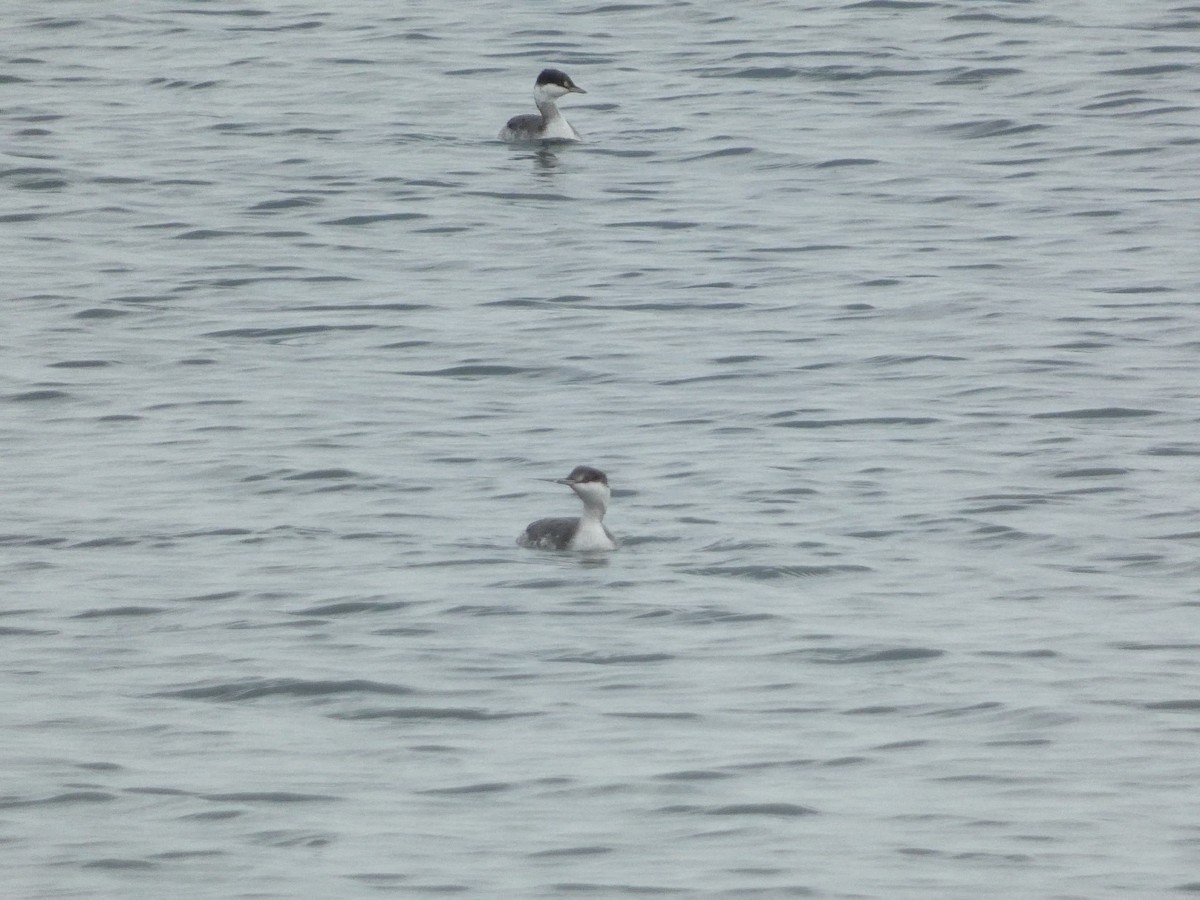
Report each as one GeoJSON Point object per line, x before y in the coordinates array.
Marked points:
{"type": "Point", "coordinates": [880, 316]}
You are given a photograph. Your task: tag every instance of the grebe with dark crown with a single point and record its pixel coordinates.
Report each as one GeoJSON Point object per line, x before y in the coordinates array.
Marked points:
{"type": "Point", "coordinates": [584, 533]}
{"type": "Point", "coordinates": [548, 124]}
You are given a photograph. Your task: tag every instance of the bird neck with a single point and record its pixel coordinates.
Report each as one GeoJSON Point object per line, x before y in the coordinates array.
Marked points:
{"type": "Point", "coordinates": [594, 509]}
{"type": "Point", "coordinates": [546, 107]}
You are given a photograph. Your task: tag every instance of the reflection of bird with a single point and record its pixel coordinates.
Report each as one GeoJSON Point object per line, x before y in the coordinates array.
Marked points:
{"type": "Point", "coordinates": [584, 533]}
{"type": "Point", "coordinates": [548, 124]}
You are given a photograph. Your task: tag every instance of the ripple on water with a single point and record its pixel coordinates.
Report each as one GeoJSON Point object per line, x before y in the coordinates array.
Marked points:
{"type": "Point", "coordinates": [853, 656]}
{"type": "Point", "coordinates": [67, 798]}
{"type": "Point", "coordinates": [38, 396]}
{"type": "Point", "coordinates": [258, 688]}
{"type": "Point", "coordinates": [1098, 413]}
{"type": "Point", "coordinates": [773, 572]}
{"type": "Point", "coordinates": [430, 714]}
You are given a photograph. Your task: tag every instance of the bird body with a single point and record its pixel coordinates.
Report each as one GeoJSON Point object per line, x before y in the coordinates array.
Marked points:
{"type": "Point", "coordinates": [548, 123]}
{"type": "Point", "coordinates": [585, 533]}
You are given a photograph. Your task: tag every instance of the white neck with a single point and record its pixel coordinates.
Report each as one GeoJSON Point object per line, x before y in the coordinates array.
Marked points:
{"type": "Point", "coordinates": [547, 107]}
{"type": "Point", "coordinates": [554, 125]}
{"type": "Point", "coordinates": [595, 499]}
{"type": "Point", "coordinates": [591, 533]}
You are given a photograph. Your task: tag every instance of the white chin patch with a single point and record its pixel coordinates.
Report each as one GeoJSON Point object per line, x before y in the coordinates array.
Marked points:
{"type": "Point", "coordinates": [593, 491]}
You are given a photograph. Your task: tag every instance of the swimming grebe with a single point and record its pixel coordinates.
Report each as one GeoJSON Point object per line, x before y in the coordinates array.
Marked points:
{"type": "Point", "coordinates": [585, 533]}
{"type": "Point", "coordinates": [548, 125]}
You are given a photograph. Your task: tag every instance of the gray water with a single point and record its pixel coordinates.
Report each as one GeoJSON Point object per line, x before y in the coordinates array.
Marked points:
{"type": "Point", "coordinates": [881, 317]}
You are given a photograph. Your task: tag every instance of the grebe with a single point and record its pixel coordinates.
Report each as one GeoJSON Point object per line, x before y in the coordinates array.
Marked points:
{"type": "Point", "coordinates": [548, 124]}
{"type": "Point", "coordinates": [584, 533]}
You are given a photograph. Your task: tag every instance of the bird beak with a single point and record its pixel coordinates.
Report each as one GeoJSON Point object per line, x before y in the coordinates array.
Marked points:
{"type": "Point", "coordinates": [576, 89]}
